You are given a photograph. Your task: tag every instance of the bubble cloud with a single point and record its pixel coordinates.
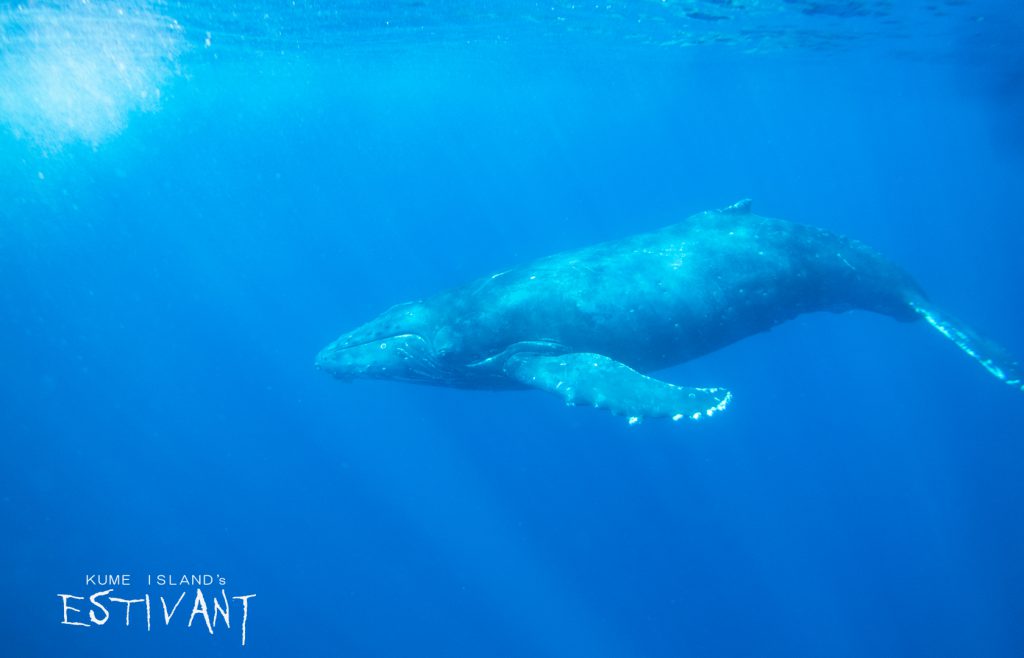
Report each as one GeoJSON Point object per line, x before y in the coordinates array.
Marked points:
{"type": "Point", "coordinates": [75, 71]}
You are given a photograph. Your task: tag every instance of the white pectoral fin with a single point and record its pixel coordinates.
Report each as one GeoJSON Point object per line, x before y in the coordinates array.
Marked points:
{"type": "Point", "coordinates": [583, 378]}
{"type": "Point", "coordinates": [992, 356]}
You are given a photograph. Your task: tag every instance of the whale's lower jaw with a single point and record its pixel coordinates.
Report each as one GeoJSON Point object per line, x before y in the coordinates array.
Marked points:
{"type": "Point", "coordinates": [404, 356]}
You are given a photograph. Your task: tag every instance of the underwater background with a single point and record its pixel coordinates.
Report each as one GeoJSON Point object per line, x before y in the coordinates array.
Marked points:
{"type": "Point", "coordinates": [196, 197]}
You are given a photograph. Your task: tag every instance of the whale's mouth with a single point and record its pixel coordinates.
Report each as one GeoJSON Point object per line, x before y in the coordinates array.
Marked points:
{"type": "Point", "coordinates": [406, 356]}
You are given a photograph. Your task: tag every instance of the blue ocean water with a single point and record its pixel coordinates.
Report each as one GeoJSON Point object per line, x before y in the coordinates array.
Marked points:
{"type": "Point", "coordinates": [196, 197]}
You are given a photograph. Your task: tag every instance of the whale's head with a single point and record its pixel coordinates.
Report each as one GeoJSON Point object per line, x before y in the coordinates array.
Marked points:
{"type": "Point", "coordinates": [397, 344]}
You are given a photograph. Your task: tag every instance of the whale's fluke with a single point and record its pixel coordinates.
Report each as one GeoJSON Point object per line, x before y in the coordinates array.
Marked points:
{"type": "Point", "coordinates": [588, 379]}
{"type": "Point", "coordinates": [992, 356]}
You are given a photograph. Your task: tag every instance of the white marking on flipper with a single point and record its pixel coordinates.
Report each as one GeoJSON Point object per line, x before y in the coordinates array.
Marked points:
{"type": "Point", "coordinates": [962, 341]}
{"type": "Point", "coordinates": [741, 207]}
{"type": "Point", "coordinates": [601, 382]}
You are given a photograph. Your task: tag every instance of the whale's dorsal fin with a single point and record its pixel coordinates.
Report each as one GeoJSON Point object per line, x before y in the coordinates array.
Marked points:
{"type": "Point", "coordinates": [741, 207]}
{"type": "Point", "coordinates": [584, 378]}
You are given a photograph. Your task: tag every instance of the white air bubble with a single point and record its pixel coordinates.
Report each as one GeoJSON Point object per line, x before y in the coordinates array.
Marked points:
{"type": "Point", "coordinates": [75, 71]}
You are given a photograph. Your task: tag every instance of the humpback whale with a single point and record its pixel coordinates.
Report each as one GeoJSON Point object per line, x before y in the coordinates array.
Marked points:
{"type": "Point", "coordinates": [588, 325]}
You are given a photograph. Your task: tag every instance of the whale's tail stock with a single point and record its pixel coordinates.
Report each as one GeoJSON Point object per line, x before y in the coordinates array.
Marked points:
{"type": "Point", "coordinates": [991, 355]}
